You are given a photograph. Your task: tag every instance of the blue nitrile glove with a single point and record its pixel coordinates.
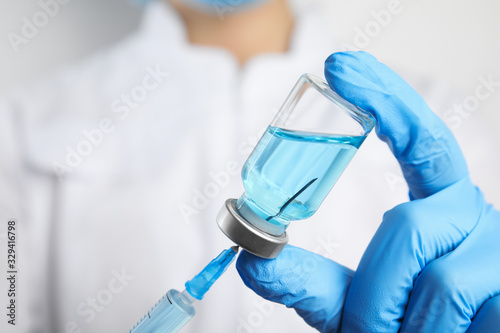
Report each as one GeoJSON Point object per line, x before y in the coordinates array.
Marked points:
{"type": "Point", "coordinates": [313, 285]}
{"type": "Point", "coordinates": [433, 265]}
{"type": "Point", "coordinates": [434, 261]}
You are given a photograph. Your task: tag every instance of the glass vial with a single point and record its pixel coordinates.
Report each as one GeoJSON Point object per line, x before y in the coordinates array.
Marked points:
{"type": "Point", "coordinates": [297, 161]}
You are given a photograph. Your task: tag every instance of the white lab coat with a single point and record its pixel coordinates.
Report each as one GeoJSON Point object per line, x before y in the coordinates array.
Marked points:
{"type": "Point", "coordinates": [101, 244]}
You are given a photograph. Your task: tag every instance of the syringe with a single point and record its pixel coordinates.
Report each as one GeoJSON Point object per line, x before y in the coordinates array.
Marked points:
{"type": "Point", "coordinates": [175, 309]}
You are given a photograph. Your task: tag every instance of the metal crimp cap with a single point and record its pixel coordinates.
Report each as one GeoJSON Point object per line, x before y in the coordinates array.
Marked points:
{"type": "Point", "coordinates": [246, 235]}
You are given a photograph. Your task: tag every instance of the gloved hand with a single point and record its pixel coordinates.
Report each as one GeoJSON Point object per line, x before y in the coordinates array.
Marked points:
{"type": "Point", "coordinates": [433, 264]}
{"type": "Point", "coordinates": [316, 287]}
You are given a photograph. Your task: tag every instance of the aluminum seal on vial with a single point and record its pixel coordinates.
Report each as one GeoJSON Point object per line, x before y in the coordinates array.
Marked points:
{"type": "Point", "coordinates": [246, 235]}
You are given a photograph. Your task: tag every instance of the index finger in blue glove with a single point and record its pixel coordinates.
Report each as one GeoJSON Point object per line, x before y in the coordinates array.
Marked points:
{"type": "Point", "coordinates": [425, 148]}
{"type": "Point", "coordinates": [313, 285]}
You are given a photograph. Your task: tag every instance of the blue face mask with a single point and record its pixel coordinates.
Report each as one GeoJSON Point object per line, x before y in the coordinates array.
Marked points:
{"type": "Point", "coordinates": [215, 7]}
{"type": "Point", "coordinates": [139, 3]}
{"type": "Point", "coordinates": [223, 7]}
{"type": "Point", "coordinates": [232, 3]}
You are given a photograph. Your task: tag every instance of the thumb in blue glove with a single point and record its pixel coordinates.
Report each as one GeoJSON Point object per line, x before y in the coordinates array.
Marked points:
{"type": "Point", "coordinates": [313, 285]}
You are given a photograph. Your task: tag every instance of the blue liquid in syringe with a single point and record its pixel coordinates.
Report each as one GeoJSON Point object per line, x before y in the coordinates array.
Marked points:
{"type": "Point", "coordinates": [289, 173]}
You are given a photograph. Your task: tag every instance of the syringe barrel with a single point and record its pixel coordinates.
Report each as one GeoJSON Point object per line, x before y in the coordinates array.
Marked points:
{"type": "Point", "coordinates": [169, 315]}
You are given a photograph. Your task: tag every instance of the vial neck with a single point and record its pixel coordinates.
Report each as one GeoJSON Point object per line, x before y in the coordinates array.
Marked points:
{"type": "Point", "coordinates": [253, 214]}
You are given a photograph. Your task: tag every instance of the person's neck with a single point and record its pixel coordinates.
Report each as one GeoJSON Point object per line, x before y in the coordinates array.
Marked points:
{"type": "Point", "coordinates": [265, 29]}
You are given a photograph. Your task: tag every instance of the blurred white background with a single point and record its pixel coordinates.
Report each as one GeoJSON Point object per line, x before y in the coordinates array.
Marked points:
{"type": "Point", "coordinates": [452, 41]}
{"type": "Point", "coordinates": [449, 41]}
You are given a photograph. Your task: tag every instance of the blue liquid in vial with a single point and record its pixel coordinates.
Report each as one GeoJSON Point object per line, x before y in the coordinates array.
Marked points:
{"type": "Point", "coordinates": [289, 173]}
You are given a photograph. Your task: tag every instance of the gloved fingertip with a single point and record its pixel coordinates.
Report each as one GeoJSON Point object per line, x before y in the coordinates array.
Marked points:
{"type": "Point", "coordinates": [311, 284]}
{"type": "Point", "coordinates": [359, 78]}
{"type": "Point", "coordinates": [259, 274]}
{"type": "Point", "coordinates": [339, 60]}
{"type": "Point", "coordinates": [245, 264]}
{"type": "Point", "coordinates": [246, 261]}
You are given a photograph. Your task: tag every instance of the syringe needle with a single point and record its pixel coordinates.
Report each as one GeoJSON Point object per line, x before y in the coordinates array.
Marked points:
{"type": "Point", "coordinates": [199, 285]}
